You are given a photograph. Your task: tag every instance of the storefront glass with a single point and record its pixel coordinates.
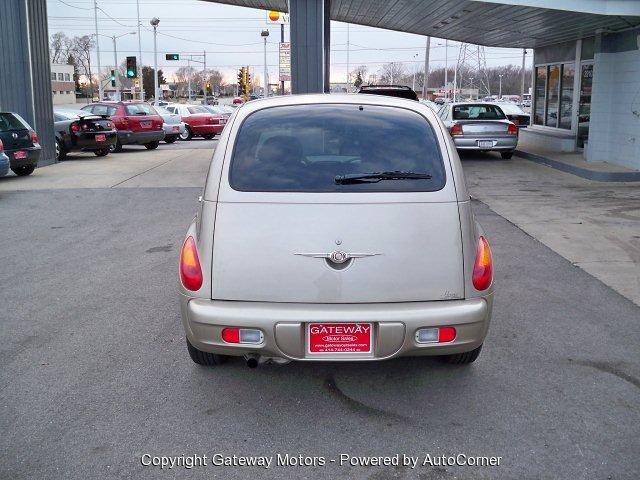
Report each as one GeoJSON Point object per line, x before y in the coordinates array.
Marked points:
{"type": "Point", "coordinates": [540, 95]}
{"type": "Point", "coordinates": [566, 96]}
{"type": "Point", "coordinates": [553, 95]}
{"type": "Point", "coordinates": [584, 107]}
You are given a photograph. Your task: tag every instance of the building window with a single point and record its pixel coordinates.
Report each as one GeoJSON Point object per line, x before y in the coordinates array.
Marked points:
{"type": "Point", "coordinates": [67, 77]}
{"type": "Point", "coordinates": [60, 77]}
{"type": "Point", "coordinates": [540, 92]}
{"type": "Point", "coordinates": [53, 75]}
{"type": "Point", "coordinates": [566, 96]}
{"type": "Point", "coordinates": [553, 94]}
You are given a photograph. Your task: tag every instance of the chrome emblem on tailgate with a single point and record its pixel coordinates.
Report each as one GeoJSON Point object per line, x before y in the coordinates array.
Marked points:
{"type": "Point", "coordinates": [337, 256]}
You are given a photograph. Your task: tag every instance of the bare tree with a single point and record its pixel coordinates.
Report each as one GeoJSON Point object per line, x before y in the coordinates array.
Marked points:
{"type": "Point", "coordinates": [81, 50]}
{"type": "Point", "coordinates": [60, 48]}
{"type": "Point", "coordinates": [392, 73]}
{"type": "Point", "coordinates": [361, 71]}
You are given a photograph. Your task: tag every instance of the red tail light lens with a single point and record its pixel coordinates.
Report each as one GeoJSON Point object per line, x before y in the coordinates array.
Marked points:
{"type": "Point", "coordinates": [34, 137]}
{"type": "Point", "coordinates": [512, 129]}
{"type": "Point", "coordinates": [1, 146]}
{"type": "Point", "coordinates": [446, 334]}
{"type": "Point", "coordinates": [231, 335]}
{"type": "Point", "coordinates": [483, 266]}
{"type": "Point", "coordinates": [190, 270]}
{"type": "Point", "coordinates": [456, 129]}
{"type": "Point", "coordinates": [75, 128]}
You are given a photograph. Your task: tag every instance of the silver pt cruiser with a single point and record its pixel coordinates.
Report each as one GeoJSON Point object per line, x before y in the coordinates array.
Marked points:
{"type": "Point", "coordinates": [335, 228]}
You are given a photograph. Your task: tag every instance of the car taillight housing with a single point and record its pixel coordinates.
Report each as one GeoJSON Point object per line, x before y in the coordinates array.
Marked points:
{"type": "Point", "coordinates": [190, 270]}
{"type": "Point", "coordinates": [512, 129]}
{"type": "Point", "coordinates": [483, 266]}
{"type": "Point", "coordinates": [75, 128]}
{"type": "Point", "coordinates": [1, 146]}
{"type": "Point", "coordinates": [456, 129]}
{"type": "Point", "coordinates": [34, 137]}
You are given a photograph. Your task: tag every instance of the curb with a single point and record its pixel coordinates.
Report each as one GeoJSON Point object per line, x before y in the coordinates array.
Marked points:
{"type": "Point", "coordinates": [580, 172]}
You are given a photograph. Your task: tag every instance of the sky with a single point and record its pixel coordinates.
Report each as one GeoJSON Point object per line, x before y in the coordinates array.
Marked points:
{"type": "Point", "coordinates": [231, 38]}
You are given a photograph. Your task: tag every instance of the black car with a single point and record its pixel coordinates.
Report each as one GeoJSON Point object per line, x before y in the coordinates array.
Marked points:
{"type": "Point", "coordinates": [399, 91]}
{"type": "Point", "coordinates": [20, 142]}
{"type": "Point", "coordinates": [77, 130]}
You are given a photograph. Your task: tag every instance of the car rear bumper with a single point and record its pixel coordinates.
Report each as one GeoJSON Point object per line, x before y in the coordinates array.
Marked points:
{"type": "Point", "coordinates": [87, 140]}
{"type": "Point", "coordinates": [4, 164]}
{"type": "Point", "coordinates": [128, 137]}
{"type": "Point", "coordinates": [499, 143]}
{"type": "Point", "coordinates": [33, 155]}
{"type": "Point", "coordinates": [206, 129]}
{"type": "Point", "coordinates": [284, 326]}
{"type": "Point", "coordinates": [169, 128]}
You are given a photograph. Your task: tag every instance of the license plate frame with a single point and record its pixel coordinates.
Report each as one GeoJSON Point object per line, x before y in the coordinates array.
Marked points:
{"type": "Point", "coordinates": [175, 129]}
{"type": "Point", "coordinates": [146, 124]}
{"type": "Point", "coordinates": [333, 338]}
{"type": "Point", "coordinates": [101, 137]}
{"type": "Point", "coordinates": [486, 143]}
{"type": "Point", "coordinates": [20, 154]}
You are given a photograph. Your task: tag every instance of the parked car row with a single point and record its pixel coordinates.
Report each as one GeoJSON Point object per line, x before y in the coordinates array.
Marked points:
{"type": "Point", "coordinates": [19, 145]}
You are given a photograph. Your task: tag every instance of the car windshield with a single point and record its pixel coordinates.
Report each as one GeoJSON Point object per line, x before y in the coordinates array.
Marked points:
{"type": "Point", "coordinates": [139, 109]}
{"type": "Point", "coordinates": [305, 148]}
{"type": "Point", "coordinates": [197, 110]}
{"type": "Point", "coordinates": [10, 121]}
{"type": "Point", "coordinates": [477, 112]}
{"type": "Point", "coordinates": [163, 111]}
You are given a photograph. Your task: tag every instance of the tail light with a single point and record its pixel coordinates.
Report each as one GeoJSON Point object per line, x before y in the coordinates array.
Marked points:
{"type": "Point", "coordinates": [84, 126]}
{"type": "Point", "coordinates": [75, 128]}
{"type": "Point", "coordinates": [512, 129]}
{"type": "Point", "coordinates": [242, 335]}
{"type": "Point", "coordinates": [483, 266]}
{"type": "Point", "coordinates": [34, 137]}
{"type": "Point", "coordinates": [456, 129]}
{"type": "Point", "coordinates": [190, 270]}
{"type": "Point", "coordinates": [436, 335]}
{"type": "Point", "coordinates": [1, 146]}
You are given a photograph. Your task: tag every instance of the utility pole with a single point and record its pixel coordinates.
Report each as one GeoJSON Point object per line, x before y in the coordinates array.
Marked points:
{"type": "Point", "coordinates": [189, 77]}
{"type": "Point", "coordinates": [500, 88]}
{"type": "Point", "coordinates": [425, 81]}
{"type": "Point", "coordinates": [446, 70]}
{"type": "Point", "coordinates": [348, 68]}
{"type": "Point", "coordinates": [281, 41]}
{"type": "Point", "coordinates": [204, 54]}
{"type": "Point", "coordinates": [115, 68]}
{"type": "Point", "coordinates": [154, 23]}
{"type": "Point", "coordinates": [95, 17]}
{"type": "Point", "coordinates": [264, 34]}
{"type": "Point", "coordinates": [524, 54]}
{"type": "Point", "coordinates": [139, 54]}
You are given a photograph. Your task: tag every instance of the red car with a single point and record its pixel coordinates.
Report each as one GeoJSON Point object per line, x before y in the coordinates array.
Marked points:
{"type": "Point", "coordinates": [238, 101]}
{"type": "Point", "coordinates": [199, 121]}
{"type": "Point", "coordinates": [137, 123]}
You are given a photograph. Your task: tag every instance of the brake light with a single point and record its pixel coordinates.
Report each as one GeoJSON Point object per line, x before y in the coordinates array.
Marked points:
{"type": "Point", "coordinates": [483, 266]}
{"type": "Point", "coordinates": [34, 137]}
{"type": "Point", "coordinates": [1, 146]}
{"type": "Point", "coordinates": [84, 126]}
{"type": "Point", "coordinates": [456, 129]}
{"type": "Point", "coordinates": [75, 128]}
{"type": "Point", "coordinates": [512, 129]}
{"type": "Point", "coordinates": [436, 335]}
{"type": "Point", "coordinates": [190, 270]}
{"type": "Point", "coordinates": [242, 335]}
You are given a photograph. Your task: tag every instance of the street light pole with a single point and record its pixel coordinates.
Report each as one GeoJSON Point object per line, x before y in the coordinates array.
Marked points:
{"type": "Point", "coordinates": [446, 69]}
{"type": "Point", "coordinates": [139, 54]}
{"type": "Point", "coordinates": [154, 23]}
{"type": "Point", "coordinates": [500, 90]}
{"type": "Point", "coordinates": [265, 34]}
{"type": "Point", "coordinates": [425, 82]}
{"type": "Point", "coordinates": [95, 17]}
{"type": "Point", "coordinates": [205, 77]}
{"type": "Point", "coordinates": [413, 85]}
{"type": "Point", "coordinates": [524, 55]}
{"type": "Point", "coordinates": [115, 68]}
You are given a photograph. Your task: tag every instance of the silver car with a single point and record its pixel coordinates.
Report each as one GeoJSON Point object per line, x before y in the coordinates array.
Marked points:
{"type": "Point", "coordinates": [172, 124]}
{"type": "Point", "coordinates": [335, 227]}
{"type": "Point", "coordinates": [480, 126]}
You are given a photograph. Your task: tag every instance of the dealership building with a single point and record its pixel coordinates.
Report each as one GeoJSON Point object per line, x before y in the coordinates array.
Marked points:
{"type": "Point", "coordinates": [586, 88]}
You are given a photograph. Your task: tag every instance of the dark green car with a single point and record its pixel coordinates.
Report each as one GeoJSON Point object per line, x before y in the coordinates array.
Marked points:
{"type": "Point", "coordinates": [20, 142]}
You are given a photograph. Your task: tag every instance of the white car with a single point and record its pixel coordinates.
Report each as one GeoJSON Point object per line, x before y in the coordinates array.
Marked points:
{"type": "Point", "coordinates": [172, 124]}
{"type": "Point", "coordinates": [335, 228]}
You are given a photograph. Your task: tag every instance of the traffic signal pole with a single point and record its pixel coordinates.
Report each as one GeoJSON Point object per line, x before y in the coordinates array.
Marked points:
{"type": "Point", "coordinates": [281, 41]}
{"type": "Point", "coordinates": [115, 68]}
{"type": "Point", "coordinates": [140, 54]}
{"type": "Point", "coordinates": [205, 78]}
{"type": "Point", "coordinates": [95, 17]}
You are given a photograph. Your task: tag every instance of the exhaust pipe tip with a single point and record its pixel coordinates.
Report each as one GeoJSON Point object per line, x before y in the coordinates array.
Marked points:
{"type": "Point", "coordinates": [252, 360]}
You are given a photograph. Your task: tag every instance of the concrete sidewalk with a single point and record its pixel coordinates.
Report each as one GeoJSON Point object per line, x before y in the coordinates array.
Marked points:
{"type": "Point", "coordinates": [595, 225]}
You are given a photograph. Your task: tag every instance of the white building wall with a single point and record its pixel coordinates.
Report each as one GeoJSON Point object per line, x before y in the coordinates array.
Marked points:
{"type": "Point", "coordinates": [614, 130]}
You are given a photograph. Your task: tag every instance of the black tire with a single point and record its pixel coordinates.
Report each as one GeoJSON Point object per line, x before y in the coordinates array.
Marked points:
{"type": "Point", "coordinates": [506, 155]}
{"type": "Point", "coordinates": [187, 135]}
{"type": "Point", "coordinates": [61, 153]}
{"type": "Point", "coordinates": [170, 138]}
{"type": "Point", "coordinates": [462, 358]}
{"type": "Point", "coordinates": [23, 171]}
{"type": "Point", "coordinates": [208, 136]}
{"type": "Point", "coordinates": [152, 145]}
{"type": "Point", "coordinates": [204, 358]}
{"type": "Point", "coordinates": [103, 152]}
{"type": "Point", "coordinates": [117, 148]}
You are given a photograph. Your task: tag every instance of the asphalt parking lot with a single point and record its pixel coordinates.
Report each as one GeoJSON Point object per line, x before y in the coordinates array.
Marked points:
{"type": "Point", "coordinates": [94, 371]}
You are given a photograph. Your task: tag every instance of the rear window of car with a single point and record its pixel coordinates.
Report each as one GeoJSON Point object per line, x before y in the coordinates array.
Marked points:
{"type": "Point", "coordinates": [197, 110]}
{"type": "Point", "coordinates": [303, 148]}
{"type": "Point", "coordinates": [477, 112]}
{"type": "Point", "coordinates": [10, 121]}
{"type": "Point", "coordinates": [101, 109]}
{"type": "Point", "coordinates": [139, 109]}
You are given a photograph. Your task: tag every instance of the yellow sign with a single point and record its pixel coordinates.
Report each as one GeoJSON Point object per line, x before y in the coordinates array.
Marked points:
{"type": "Point", "coordinates": [274, 16]}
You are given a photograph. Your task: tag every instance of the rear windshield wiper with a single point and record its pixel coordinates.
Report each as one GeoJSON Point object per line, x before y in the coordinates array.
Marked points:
{"type": "Point", "coordinates": [375, 177]}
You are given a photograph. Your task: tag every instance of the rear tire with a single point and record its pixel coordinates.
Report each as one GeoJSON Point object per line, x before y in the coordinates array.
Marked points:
{"type": "Point", "coordinates": [24, 171]}
{"type": "Point", "coordinates": [152, 145]}
{"type": "Point", "coordinates": [506, 155]}
{"type": "Point", "coordinates": [187, 135]}
{"type": "Point", "coordinates": [61, 153]}
{"type": "Point", "coordinates": [208, 136]}
{"type": "Point", "coordinates": [103, 152]}
{"type": "Point", "coordinates": [117, 148]}
{"type": "Point", "coordinates": [463, 358]}
{"type": "Point", "coordinates": [204, 358]}
{"type": "Point", "coordinates": [170, 139]}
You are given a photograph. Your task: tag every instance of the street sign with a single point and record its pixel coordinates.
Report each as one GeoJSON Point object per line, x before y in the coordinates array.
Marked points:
{"type": "Point", "coordinates": [172, 56]}
{"type": "Point", "coordinates": [285, 61]}
{"type": "Point", "coordinates": [274, 16]}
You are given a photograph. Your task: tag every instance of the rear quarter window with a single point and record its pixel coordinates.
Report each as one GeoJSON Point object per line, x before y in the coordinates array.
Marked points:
{"type": "Point", "coordinates": [109, 110]}
{"type": "Point", "coordinates": [302, 148]}
{"type": "Point", "coordinates": [10, 121]}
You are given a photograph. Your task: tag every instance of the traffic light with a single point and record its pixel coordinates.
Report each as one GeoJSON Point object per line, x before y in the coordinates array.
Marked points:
{"type": "Point", "coordinates": [208, 87]}
{"type": "Point", "coordinates": [113, 78]}
{"type": "Point", "coordinates": [240, 80]}
{"type": "Point", "coordinates": [246, 82]}
{"type": "Point", "coordinates": [172, 56]}
{"type": "Point", "coordinates": [132, 70]}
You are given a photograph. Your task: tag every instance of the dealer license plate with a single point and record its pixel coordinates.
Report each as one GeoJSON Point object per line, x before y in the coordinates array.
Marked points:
{"type": "Point", "coordinates": [176, 129]}
{"type": "Point", "coordinates": [20, 154]}
{"type": "Point", "coordinates": [485, 143]}
{"type": "Point", "coordinates": [145, 124]}
{"type": "Point", "coordinates": [339, 337]}
{"type": "Point", "coordinates": [101, 137]}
